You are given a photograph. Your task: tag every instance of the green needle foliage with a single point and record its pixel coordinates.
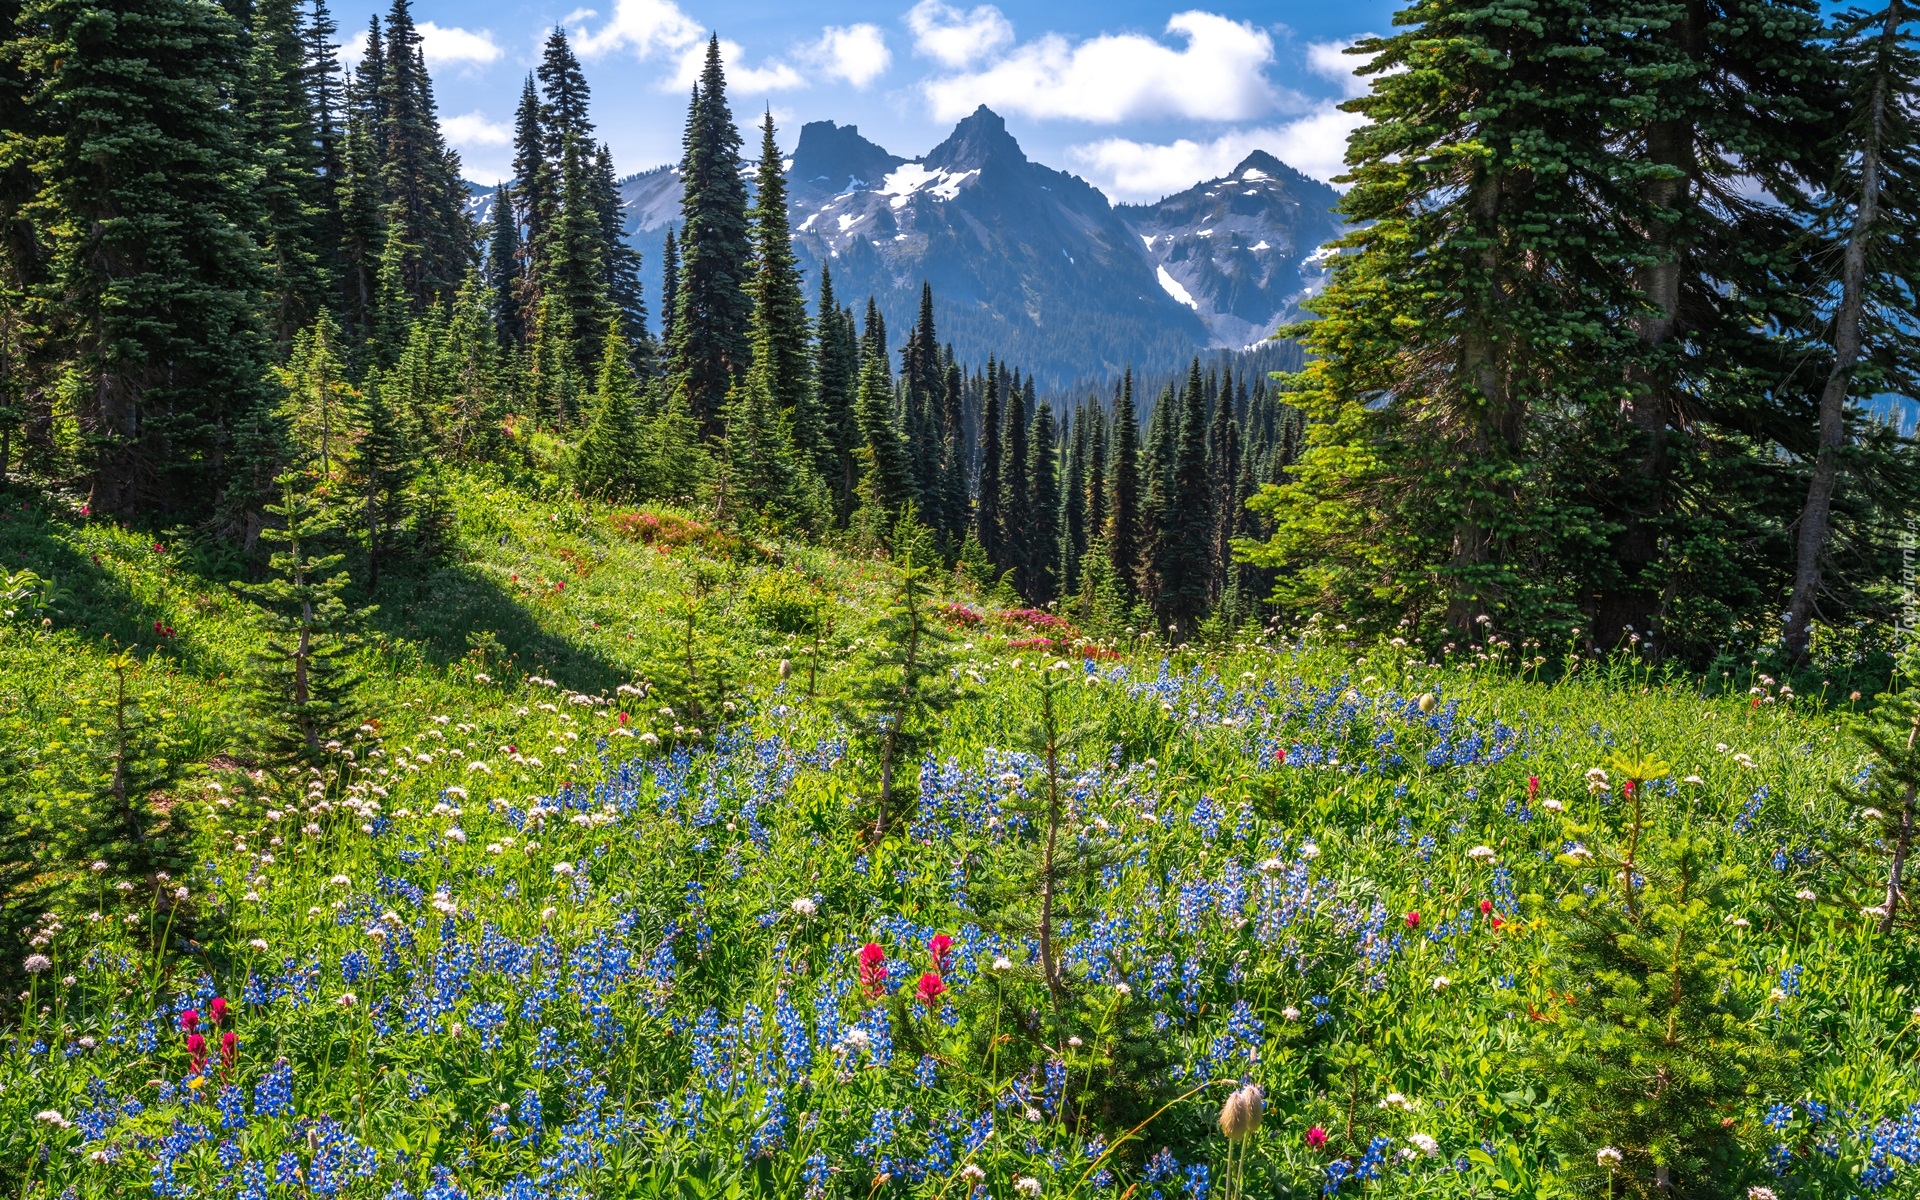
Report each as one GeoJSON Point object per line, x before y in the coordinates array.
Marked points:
{"type": "Point", "coordinates": [1883, 794]}
{"type": "Point", "coordinates": [901, 677]}
{"type": "Point", "coordinates": [1652, 1057]}
{"type": "Point", "coordinates": [303, 684]}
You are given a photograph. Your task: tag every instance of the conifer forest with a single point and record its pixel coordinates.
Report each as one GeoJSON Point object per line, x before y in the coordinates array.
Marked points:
{"type": "Point", "coordinates": [488, 716]}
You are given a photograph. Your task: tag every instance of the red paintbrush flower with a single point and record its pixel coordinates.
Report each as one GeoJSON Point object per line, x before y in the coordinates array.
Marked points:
{"type": "Point", "coordinates": [930, 989]}
{"type": "Point", "coordinates": [873, 969]}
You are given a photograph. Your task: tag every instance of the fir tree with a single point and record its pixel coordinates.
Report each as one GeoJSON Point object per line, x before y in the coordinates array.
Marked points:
{"type": "Point", "coordinates": [286, 147]}
{"type": "Point", "coordinates": [620, 266]}
{"type": "Point", "coordinates": [1121, 528]}
{"type": "Point", "coordinates": [504, 262]}
{"type": "Point", "coordinates": [986, 512]}
{"type": "Point", "coordinates": [1185, 525]}
{"type": "Point", "coordinates": [320, 404]}
{"type": "Point", "coordinates": [358, 197]}
{"type": "Point", "coordinates": [474, 395]}
{"type": "Point", "coordinates": [572, 271]}
{"type": "Point", "coordinates": [1073, 505]}
{"type": "Point", "coordinates": [302, 685]}
{"type": "Point", "coordinates": [779, 330]}
{"type": "Point", "coordinates": [669, 287]}
{"type": "Point", "coordinates": [563, 88]}
{"type": "Point", "coordinates": [1874, 348]}
{"type": "Point", "coordinates": [710, 347]}
{"type": "Point", "coordinates": [1043, 508]}
{"type": "Point", "coordinates": [1510, 320]}
{"type": "Point", "coordinates": [426, 202]}
{"type": "Point", "coordinates": [147, 221]}
{"type": "Point", "coordinates": [886, 482]}
{"type": "Point", "coordinates": [1016, 522]}
{"type": "Point", "coordinates": [385, 467]}
{"type": "Point", "coordinates": [1658, 1049]}
{"type": "Point", "coordinates": [900, 684]}
{"type": "Point", "coordinates": [604, 463]}
{"type": "Point", "coordinates": [1883, 796]}
{"type": "Point", "coordinates": [536, 193]}
{"type": "Point", "coordinates": [835, 384]}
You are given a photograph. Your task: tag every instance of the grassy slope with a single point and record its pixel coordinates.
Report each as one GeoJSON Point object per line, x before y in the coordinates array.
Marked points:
{"type": "Point", "coordinates": [762, 822]}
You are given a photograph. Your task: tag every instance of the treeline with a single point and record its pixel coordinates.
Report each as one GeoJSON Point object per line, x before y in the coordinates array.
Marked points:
{"type": "Point", "coordinates": [1601, 356]}
{"type": "Point", "coordinates": [265, 277]}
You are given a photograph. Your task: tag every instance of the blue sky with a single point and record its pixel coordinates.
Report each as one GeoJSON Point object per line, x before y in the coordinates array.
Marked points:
{"type": "Point", "coordinates": [1140, 99]}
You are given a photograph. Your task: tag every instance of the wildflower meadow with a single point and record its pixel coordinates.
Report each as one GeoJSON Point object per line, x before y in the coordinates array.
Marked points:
{"type": "Point", "coordinates": [622, 883]}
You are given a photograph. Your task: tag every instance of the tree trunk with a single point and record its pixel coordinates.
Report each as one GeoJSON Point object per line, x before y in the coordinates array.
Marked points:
{"type": "Point", "coordinates": [1816, 518]}
{"type": "Point", "coordinates": [1633, 602]}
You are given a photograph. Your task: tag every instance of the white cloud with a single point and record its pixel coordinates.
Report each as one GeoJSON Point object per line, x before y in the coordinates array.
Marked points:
{"type": "Point", "coordinates": [1330, 60]}
{"type": "Point", "coordinates": [1126, 170]}
{"type": "Point", "coordinates": [474, 129]}
{"type": "Point", "coordinates": [443, 47]}
{"type": "Point", "coordinates": [774, 77]}
{"type": "Point", "coordinates": [855, 54]}
{"type": "Point", "coordinates": [641, 26]}
{"type": "Point", "coordinates": [1315, 143]}
{"type": "Point", "coordinates": [1219, 76]}
{"type": "Point", "coordinates": [956, 39]}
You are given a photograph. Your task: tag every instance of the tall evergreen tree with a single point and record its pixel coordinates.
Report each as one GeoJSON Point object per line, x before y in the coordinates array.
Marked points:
{"type": "Point", "coordinates": [504, 262]}
{"type": "Point", "coordinates": [954, 517]}
{"type": "Point", "coordinates": [1122, 521]}
{"type": "Point", "coordinates": [285, 144]}
{"type": "Point", "coordinates": [886, 474]}
{"type": "Point", "coordinates": [1043, 507]}
{"type": "Point", "coordinates": [1479, 293]}
{"type": "Point", "coordinates": [1710, 98]}
{"type": "Point", "coordinates": [779, 331]}
{"type": "Point", "coordinates": [1016, 523]}
{"type": "Point", "coordinates": [620, 265]}
{"type": "Point", "coordinates": [986, 511]}
{"type": "Point", "coordinates": [148, 301]}
{"type": "Point", "coordinates": [1866, 212]}
{"type": "Point", "coordinates": [669, 287]}
{"type": "Point", "coordinates": [426, 202]}
{"type": "Point", "coordinates": [710, 347]}
{"type": "Point", "coordinates": [834, 387]}
{"type": "Point", "coordinates": [359, 197]}
{"type": "Point", "coordinates": [563, 91]}
{"type": "Point", "coordinates": [1184, 534]}
{"type": "Point", "coordinates": [572, 277]}
{"type": "Point", "coordinates": [1073, 504]}
{"type": "Point", "coordinates": [536, 192]}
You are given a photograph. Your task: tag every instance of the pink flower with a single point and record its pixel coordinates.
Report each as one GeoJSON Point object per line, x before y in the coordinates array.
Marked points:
{"type": "Point", "coordinates": [197, 1047]}
{"type": "Point", "coordinates": [1486, 906]}
{"type": "Point", "coordinates": [940, 948]}
{"type": "Point", "coordinates": [1533, 786]}
{"type": "Point", "coordinates": [189, 1021]}
{"type": "Point", "coordinates": [1413, 919]}
{"type": "Point", "coordinates": [1316, 1138]}
{"type": "Point", "coordinates": [218, 1008]}
{"type": "Point", "coordinates": [873, 969]}
{"type": "Point", "coordinates": [229, 1047]}
{"type": "Point", "coordinates": [930, 989]}
{"type": "Point", "coordinates": [1280, 756]}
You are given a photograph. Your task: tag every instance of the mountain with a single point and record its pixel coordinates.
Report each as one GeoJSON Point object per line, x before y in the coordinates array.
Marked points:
{"type": "Point", "coordinates": [1243, 250]}
{"type": "Point", "coordinates": [1030, 263]}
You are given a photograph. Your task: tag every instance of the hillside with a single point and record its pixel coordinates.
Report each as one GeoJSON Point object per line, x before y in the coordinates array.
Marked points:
{"type": "Point", "coordinates": [533, 933]}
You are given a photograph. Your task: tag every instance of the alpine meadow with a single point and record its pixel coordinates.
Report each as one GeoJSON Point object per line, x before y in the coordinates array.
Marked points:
{"type": "Point", "coordinates": [487, 714]}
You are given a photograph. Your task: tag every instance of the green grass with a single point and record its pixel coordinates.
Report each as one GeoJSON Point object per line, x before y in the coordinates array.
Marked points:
{"type": "Point", "coordinates": [682, 1026]}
